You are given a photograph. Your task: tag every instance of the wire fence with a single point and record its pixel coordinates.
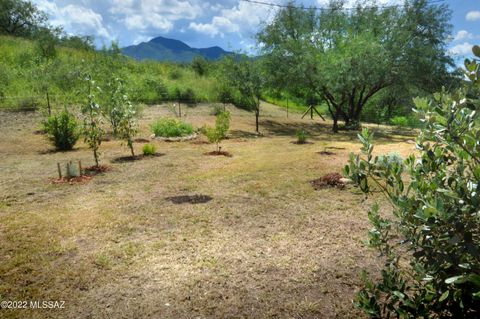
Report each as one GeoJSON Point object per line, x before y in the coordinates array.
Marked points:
{"type": "Point", "coordinates": [178, 107]}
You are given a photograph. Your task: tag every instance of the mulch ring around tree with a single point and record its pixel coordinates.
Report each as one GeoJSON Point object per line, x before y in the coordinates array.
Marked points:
{"type": "Point", "coordinates": [189, 199]}
{"type": "Point", "coordinates": [95, 170]}
{"type": "Point", "coordinates": [219, 153]}
{"type": "Point", "coordinates": [302, 143]}
{"type": "Point", "coordinates": [87, 174]}
{"type": "Point", "coordinates": [126, 159]}
{"type": "Point", "coordinates": [329, 180]}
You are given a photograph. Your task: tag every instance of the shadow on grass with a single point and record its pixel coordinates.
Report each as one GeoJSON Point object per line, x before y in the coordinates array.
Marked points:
{"type": "Point", "coordinates": [127, 159]}
{"type": "Point", "coordinates": [321, 131]}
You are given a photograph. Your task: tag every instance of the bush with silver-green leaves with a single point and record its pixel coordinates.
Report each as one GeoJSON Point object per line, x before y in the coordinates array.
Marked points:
{"type": "Point", "coordinates": [431, 243]}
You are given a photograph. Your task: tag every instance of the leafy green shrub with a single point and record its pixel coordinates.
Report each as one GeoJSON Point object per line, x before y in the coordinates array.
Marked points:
{"type": "Point", "coordinates": [217, 109]}
{"type": "Point", "coordinates": [432, 246]}
{"type": "Point", "coordinates": [200, 65]}
{"type": "Point", "coordinates": [301, 136]}
{"type": "Point", "coordinates": [184, 95]}
{"type": "Point", "coordinates": [405, 121]}
{"type": "Point", "coordinates": [62, 130]}
{"type": "Point", "coordinates": [170, 127]}
{"type": "Point", "coordinates": [390, 160]}
{"type": "Point", "coordinates": [401, 121]}
{"type": "Point", "coordinates": [175, 74]}
{"type": "Point", "coordinates": [149, 150]}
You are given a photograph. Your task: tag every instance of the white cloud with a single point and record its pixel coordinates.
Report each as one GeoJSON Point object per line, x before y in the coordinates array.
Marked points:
{"type": "Point", "coordinates": [244, 19]}
{"type": "Point", "coordinates": [473, 16]}
{"type": "Point", "coordinates": [463, 35]}
{"type": "Point", "coordinates": [75, 19]}
{"type": "Point", "coordinates": [218, 26]}
{"type": "Point", "coordinates": [461, 49]}
{"type": "Point", "coordinates": [159, 15]}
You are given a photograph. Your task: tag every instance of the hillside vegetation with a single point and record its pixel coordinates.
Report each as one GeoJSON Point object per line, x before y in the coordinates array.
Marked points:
{"type": "Point", "coordinates": [26, 76]}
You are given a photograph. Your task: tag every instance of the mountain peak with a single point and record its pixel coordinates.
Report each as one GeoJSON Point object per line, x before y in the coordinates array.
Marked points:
{"type": "Point", "coordinates": [171, 44]}
{"type": "Point", "coordinates": [165, 49]}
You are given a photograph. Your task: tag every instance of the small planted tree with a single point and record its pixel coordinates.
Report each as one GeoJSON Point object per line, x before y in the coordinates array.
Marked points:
{"type": "Point", "coordinates": [219, 132]}
{"type": "Point", "coordinates": [92, 120]}
{"type": "Point", "coordinates": [114, 106]}
{"type": "Point", "coordinates": [127, 124]}
{"type": "Point", "coordinates": [431, 248]}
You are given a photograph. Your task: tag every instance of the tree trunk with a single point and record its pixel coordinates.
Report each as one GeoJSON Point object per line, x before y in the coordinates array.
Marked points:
{"type": "Point", "coordinates": [257, 115]}
{"type": "Point", "coordinates": [95, 155]}
{"type": "Point", "coordinates": [130, 145]}
{"type": "Point", "coordinates": [335, 124]}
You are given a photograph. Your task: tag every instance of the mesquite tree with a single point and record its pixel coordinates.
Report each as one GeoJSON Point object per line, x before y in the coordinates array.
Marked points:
{"type": "Point", "coordinates": [431, 248]}
{"type": "Point", "coordinates": [246, 77]}
{"type": "Point", "coordinates": [92, 120]}
{"type": "Point", "coordinates": [348, 56]}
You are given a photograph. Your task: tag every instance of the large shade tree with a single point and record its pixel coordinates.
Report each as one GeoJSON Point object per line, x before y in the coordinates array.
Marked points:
{"type": "Point", "coordinates": [347, 56]}
{"type": "Point", "coordinates": [20, 18]}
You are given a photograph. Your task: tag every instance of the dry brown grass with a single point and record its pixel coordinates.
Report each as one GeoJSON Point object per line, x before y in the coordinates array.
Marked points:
{"type": "Point", "coordinates": [266, 245]}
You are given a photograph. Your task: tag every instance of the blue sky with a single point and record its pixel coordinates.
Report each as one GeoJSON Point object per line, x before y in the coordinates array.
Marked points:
{"type": "Point", "coordinates": [230, 24]}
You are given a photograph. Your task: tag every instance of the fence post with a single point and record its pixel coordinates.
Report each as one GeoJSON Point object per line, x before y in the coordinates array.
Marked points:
{"type": "Point", "coordinates": [287, 107]}
{"type": "Point", "coordinates": [48, 105]}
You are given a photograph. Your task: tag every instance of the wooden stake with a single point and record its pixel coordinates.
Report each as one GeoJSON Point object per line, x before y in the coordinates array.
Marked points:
{"type": "Point", "coordinates": [80, 168]}
{"type": "Point", "coordinates": [59, 171]}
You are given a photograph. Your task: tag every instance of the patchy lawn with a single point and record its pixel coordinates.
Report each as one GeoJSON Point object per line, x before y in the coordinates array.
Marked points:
{"type": "Point", "coordinates": [186, 235]}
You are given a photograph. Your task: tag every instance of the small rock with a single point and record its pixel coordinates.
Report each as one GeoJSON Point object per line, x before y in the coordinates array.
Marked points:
{"type": "Point", "coordinates": [346, 180]}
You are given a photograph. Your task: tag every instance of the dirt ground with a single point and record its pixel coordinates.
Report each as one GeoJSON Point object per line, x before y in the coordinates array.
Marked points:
{"type": "Point", "coordinates": [252, 240]}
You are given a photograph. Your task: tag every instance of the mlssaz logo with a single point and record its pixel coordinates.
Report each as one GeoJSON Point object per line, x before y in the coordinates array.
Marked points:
{"type": "Point", "coordinates": [47, 304]}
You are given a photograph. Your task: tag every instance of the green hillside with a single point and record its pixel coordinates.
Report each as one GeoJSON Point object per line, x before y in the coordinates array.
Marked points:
{"type": "Point", "coordinates": [26, 77]}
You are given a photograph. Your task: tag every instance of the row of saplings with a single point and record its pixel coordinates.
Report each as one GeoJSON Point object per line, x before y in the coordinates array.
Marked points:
{"type": "Point", "coordinates": [63, 129]}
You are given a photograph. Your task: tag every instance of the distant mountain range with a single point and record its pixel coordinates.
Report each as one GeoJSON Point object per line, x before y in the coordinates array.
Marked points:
{"type": "Point", "coordinates": [164, 49]}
